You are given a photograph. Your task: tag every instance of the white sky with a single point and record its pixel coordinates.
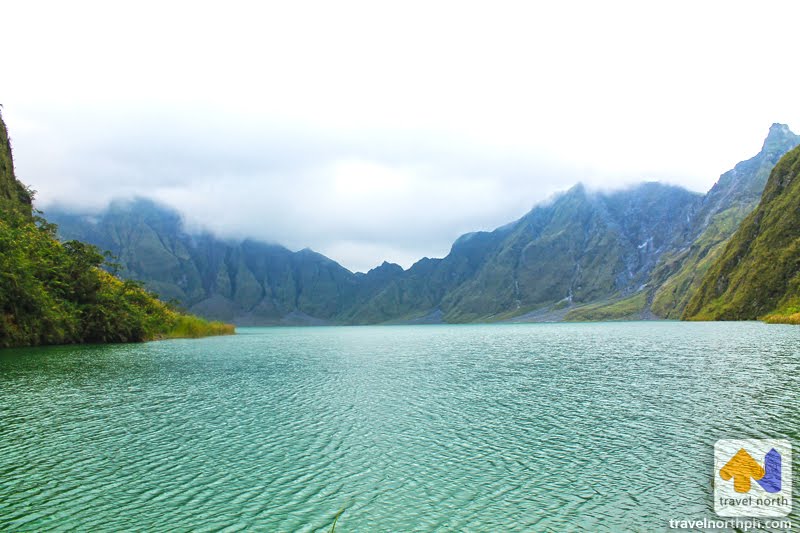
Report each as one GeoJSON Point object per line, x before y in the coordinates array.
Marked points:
{"type": "Point", "coordinates": [378, 130]}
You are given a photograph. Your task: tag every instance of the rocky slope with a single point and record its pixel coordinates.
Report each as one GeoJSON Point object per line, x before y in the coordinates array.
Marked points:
{"type": "Point", "coordinates": [579, 248]}
{"type": "Point", "coordinates": [758, 272]}
{"type": "Point", "coordinates": [582, 248]}
{"type": "Point", "coordinates": [732, 198]}
{"type": "Point", "coordinates": [635, 253]}
{"type": "Point", "coordinates": [251, 282]}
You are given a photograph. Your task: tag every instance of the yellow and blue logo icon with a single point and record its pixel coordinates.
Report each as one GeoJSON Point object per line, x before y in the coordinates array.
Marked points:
{"type": "Point", "coordinates": [753, 477]}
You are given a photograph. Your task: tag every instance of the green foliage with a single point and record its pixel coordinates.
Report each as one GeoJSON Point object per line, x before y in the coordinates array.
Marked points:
{"type": "Point", "coordinates": [192, 327]}
{"type": "Point", "coordinates": [54, 293]}
{"type": "Point", "coordinates": [10, 189]}
{"type": "Point", "coordinates": [58, 293]}
{"type": "Point", "coordinates": [758, 274]}
{"type": "Point", "coordinates": [686, 269]}
{"type": "Point", "coordinates": [783, 319]}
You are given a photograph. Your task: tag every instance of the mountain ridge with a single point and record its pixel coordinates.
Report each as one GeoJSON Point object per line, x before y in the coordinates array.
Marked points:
{"type": "Point", "coordinates": [758, 274]}
{"type": "Point", "coordinates": [384, 293]}
{"type": "Point", "coordinates": [735, 194]}
{"type": "Point", "coordinates": [636, 252]}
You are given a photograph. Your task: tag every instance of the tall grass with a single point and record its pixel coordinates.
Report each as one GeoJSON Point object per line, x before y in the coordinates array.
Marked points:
{"type": "Point", "coordinates": [778, 318]}
{"type": "Point", "coordinates": [192, 327]}
{"type": "Point", "coordinates": [789, 313]}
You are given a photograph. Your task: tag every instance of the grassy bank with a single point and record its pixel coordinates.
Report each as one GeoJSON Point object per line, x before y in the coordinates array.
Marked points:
{"type": "Point", "coordinates": [783, 319]}
{"type": "Point", "coordinates": [789, 314]}
{"type": "Point", "coordinates": [192, 327]}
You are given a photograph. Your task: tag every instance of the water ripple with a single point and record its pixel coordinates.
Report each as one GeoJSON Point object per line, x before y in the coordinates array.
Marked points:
{"type": "Point", "coordinates": [561, 427]}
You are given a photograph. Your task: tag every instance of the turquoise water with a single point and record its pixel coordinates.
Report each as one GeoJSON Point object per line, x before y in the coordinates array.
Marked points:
{"type": "Point", "coordinates": [525, 427]}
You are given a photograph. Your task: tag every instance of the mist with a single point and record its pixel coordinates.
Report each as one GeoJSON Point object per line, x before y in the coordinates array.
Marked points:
{"type": "Point", "coordinates": [372, 134]}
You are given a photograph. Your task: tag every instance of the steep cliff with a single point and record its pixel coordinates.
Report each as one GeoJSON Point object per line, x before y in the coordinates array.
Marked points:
{"type": "Point", "coordinates": [758, 273]}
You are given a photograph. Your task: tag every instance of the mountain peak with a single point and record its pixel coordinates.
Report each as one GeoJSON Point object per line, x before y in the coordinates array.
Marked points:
{"type": "Point", "coordinates": [387, 268]}
{"type": "Point", "coordinates": [778, 128]}
{"type": "Point", "coordinates": [780, 139]}
{"type": "Point", "coordinates": [578, 188]}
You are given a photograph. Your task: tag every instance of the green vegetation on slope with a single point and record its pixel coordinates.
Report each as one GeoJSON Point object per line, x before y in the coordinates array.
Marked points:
{"type": "Point", "coordinates": [584, 247]}
{"type": "Point", "coordinates": [54, 293]}
{"type": "Point", "coordinates": [687, 268]}
{"type": "Point", "coordinates": [57, 293]}
{"type": "Point", "coordinates": [251, 282]}
{"type": "Point", "coordinates": [681, 270]}
{"type": "Point", "coordinates": [758, 274]}
{"type": "Point", "coordinates": [11, 190]}
{"type": "Point", "coordinates": [629, 308]}
{"type": "Point", "coordinates": [580, 252]}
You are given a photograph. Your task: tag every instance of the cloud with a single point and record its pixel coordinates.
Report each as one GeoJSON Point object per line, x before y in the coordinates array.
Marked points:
{"type": "Point", "coordinates": [360, 199]}
{"type": "Point", "coordinates": [368, 132]}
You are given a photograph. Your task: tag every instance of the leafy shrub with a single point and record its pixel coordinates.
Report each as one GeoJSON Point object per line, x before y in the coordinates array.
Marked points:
{"type": "Point", "coordinates": [58, 293]}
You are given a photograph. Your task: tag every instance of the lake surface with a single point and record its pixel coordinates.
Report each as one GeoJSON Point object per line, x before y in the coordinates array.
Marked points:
{"type": "Point", "coordinates": [524, 427]}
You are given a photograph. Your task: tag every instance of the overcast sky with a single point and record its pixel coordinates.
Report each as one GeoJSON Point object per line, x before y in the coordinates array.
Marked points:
{"type": "Point", "coordinates": [374, 131]}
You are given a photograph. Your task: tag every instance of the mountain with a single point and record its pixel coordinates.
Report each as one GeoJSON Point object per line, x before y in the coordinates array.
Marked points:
{"type": "Point", "coordinates": [758, 272]}
{"type": "Point", "coordinates": [606, 243]}
{"type": "Point", "coordinates": [584, 247]}
{"type": "Point", "coordinates": [733, 197]}
{"type": "Point", "coordinates": [638, 253]}
{"type": "Point", "coordinates": [251, 282]}
{"type": "Point", "coordinates": [633, 253]}
{"type": "Point", "coordinates": [55, 293]}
